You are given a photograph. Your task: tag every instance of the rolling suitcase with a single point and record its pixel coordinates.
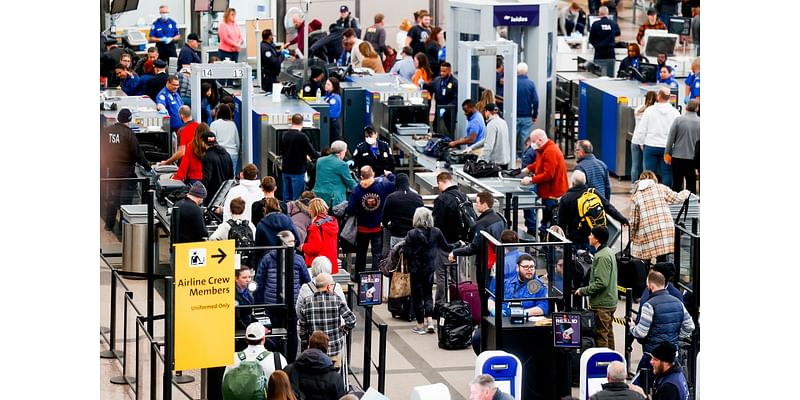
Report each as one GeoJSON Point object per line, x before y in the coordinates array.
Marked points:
{"type": "Point", "coordinates": [400, 308]}
{"type": "Point", "coordinates": [468, 292]}
{"type": "Point", "coordinates": [454, 325]}
{"type": "Point", "coordinates": [505, 368]}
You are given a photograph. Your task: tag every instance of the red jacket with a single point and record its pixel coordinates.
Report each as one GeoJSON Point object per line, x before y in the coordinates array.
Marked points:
{"type": "Point", "coordinates": [323, 240]}
{"type": "Point", "coordinates": [550, 171]}
{"type": "Point", "coordinates": [190, 166]}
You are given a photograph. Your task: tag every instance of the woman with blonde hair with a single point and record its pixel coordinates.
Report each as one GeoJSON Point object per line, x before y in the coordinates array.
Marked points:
{"type": "Point", "coordinates": [230, 37]}
{"type": "Point", "coordinates": [486, 97]}
{"type": "Point", "coordinates": [371, 59]}
{"type": "Point", "coordinates": [400, 39]}
{"type": "Point", "coordinates": [636, 151]}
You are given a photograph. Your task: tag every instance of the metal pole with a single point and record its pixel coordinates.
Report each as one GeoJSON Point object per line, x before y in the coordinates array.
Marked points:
{"type": "Point", "coordinates": [367, 346]}
{"type": "Point", "coordinates": [150, 196]}
{"type": "Point", "coordinates": [169, 339]}
{"type": "Point", "coordinates": [382, 328]}
{"type": "Point", "coordinates": [124, 379]}
{"type": "Point", "coordinates": [568, 277]}
{"type": "Point", "coordinates": [111, 353]}
{"type": "Point", "coordinates": [628, 335]}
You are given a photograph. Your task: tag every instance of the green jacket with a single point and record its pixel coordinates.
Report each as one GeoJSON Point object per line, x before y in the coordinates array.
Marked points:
{"type": "Point", "coordinates": [602, 289]}
{"type": "Point", "coordinates": [333, 180]}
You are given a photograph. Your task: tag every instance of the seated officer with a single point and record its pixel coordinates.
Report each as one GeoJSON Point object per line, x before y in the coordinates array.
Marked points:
{"type": "Point", "coordinates": [316, 77]}
{"type": "Point", "coordinates": [520, 285]}
{"type": "Point", "coordinates": [374, 152]}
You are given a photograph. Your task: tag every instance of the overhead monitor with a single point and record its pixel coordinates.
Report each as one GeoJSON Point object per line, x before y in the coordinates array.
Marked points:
{"type": "Point", "coordinates": [680, 25]}
{"type": "Point", "coordinates": [202, 5]}
{"type": "Point", "coordinates": [219, 5]}
{"type": "Point", "coordinates": [118, 6]}
{"type": "Point", "coordinates": [131, 5]}
{"type": "Point", "coordinates": [659, 41]}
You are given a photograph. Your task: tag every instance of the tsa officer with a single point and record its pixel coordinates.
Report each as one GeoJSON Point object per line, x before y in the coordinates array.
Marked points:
{"type": "Point", "coordinates": [168, 101]}
{"type": "Point", "coordinates": [373, 152]}
{"type": "Point", "coordinates": [445, 91]}
{"type": "Point", "coordinates": [164, 33]}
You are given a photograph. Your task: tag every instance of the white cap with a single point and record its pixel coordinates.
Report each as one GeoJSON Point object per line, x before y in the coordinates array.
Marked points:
{"type": "Point", "coordinates": [255, 331]}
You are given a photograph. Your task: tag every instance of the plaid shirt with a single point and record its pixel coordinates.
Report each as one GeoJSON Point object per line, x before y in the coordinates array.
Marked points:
{"type": "Point", "coordinates": [646, 26]}
{"type": "Point", "coordinates": [652, 227]}
{"type": "Point", "coordinates": [323, 312]}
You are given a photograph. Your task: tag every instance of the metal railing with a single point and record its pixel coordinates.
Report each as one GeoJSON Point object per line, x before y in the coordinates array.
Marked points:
{"type": "Point", "coordinates": [692, 291]}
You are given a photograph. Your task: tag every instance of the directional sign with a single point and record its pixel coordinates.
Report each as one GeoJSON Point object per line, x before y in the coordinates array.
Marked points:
{"type": "Point", "coordinates": [204, 304]}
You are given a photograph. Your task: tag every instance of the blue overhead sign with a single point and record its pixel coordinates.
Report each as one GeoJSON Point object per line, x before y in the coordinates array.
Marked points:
{"type": "Point", "coordinates": [521, 15]}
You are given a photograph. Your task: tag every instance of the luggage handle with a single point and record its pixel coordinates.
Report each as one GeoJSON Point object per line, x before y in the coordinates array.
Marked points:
{"type": "Point", "coordinates": [684, 211]}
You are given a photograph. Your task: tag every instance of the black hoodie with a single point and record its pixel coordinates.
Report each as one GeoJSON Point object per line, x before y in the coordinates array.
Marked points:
{"type": "Point", "coordinates": [217, 168]}
{"type": "Point", "coordinates": [399, 208]}
{"type": "Point", "coordinates": [313, 375]}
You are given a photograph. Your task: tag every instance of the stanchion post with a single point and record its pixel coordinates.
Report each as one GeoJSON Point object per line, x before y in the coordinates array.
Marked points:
{"type": "Point", "coordinates": [628, 335]}
{"type": "Point", "coordinates": [150, 259]}
{"type": "Point", "coordinates": [169, 337]}
{"type": "Point", "coordinates": [367, 346]}
{"type": "Point", "coordinates": [124, 379]}
{"type": "Point", "coordinates": [382, 328]}
{"type": "Point", "coordinates": [111, 353]}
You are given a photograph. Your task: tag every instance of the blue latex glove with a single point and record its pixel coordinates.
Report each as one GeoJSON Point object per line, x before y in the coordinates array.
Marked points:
{"type": "Point", "coordinates": [441, 112]}
{"type": "Point", "coordinates": [169, 40]}
{"type": "Point", "coordinates": [350, 163]}
{"type": "Point", "coordinates": [420, 82]}
{"type": "Point", "coordinates": [491, 312]}
{"type": "Point", "coordinates": [164, 39]}
{"type": "Point", "coordinates": [686, 100]}
{"type": "Point", "coordinates": [163, 111]}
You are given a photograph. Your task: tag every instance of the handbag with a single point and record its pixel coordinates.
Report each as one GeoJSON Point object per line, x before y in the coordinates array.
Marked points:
{"type": "Point", "coordinates": [482, 168]}
{"type": "Point", "coordinates": [400, 285]}
{"type": "Point", "coordinates": [348, 232]}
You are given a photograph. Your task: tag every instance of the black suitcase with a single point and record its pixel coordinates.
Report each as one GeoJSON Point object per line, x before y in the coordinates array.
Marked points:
{"type": "Point", "coordinates": [631, 271]}
{"type": "Point", "coordinates": [454, 323]}
{"type": "Point", "coordinates": [400, 307]}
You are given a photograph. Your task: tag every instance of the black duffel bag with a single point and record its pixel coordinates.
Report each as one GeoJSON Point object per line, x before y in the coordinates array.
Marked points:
{"type": "Point", "coordinates": [455, 157]}
{"type": "Point", "coordinates": [482, 168]}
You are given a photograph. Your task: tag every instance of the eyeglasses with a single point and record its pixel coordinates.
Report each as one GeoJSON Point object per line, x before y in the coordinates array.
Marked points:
{"type": "Point", "coordinates": [526, 266]}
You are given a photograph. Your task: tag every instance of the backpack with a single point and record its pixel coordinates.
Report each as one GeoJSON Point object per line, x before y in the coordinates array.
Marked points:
{"type": "Point", "coordinates": [244, 236]}
{"type": "Point", "coordinates": [247, 381]}
{"type": "Point", "coordinates": [467, 218]}
{"type": "Point", "coordinates": [590, 210]}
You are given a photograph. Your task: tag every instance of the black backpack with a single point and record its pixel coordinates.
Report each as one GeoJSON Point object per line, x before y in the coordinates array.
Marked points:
{"type": "Point", "coordinates": [437, 147]}
{"type": "Point", "coordinates": [467, 217]}
{"type": "Point", "coordinates": [245, 237]}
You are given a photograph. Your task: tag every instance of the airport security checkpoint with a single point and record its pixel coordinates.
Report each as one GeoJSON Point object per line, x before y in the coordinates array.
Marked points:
{"type": "Point", "coordinates": [316, 199]}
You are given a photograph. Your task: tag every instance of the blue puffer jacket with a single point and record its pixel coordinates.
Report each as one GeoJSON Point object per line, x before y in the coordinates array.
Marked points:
{"type": "Point", "coordinates": [268, 270]}
{"type": "Point", "coordinates": [674, 376]}
{"type": "Point", "coordinates": [667, 319]}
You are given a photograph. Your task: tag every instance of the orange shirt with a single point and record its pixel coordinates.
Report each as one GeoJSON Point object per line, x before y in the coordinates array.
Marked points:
{"type": "Point", "coordinates": [420, 73]}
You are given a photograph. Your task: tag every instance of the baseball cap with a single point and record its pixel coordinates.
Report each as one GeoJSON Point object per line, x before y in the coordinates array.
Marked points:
{"type": "Point", "coordinates": [193, 36]}
{"type": "Point", "coordinates": [160, 63]}
{"type": "Point", "coordinates": [255, 331]}
{"type": "Point", "coordinates": [124, 115]}
{"type": "Point", "coordinates": [343, 8]}
{"type": "Point", "coordinates": [491, 107]}
{"type": "Point", "coordinates": [209, 138]}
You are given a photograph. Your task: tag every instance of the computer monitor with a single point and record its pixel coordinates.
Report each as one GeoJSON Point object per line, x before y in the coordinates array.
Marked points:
{"type": "Point", "coordinates": [118, 6]}
{"type": "Point", "coordinates": [131, 5]}
{"type": "Point", "coordinates": [219, 5]}
{"type": "Point", "coordinates": [649, 72]}
{"type": "Point", "coordinates": [659, 41]}
{"type": "Point", "coordinates": [680, 25]}
{"type": "Point", "coordinates": [202, 5]}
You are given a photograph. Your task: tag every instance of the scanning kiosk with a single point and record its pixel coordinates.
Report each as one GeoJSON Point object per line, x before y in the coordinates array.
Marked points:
{"type": "Point", "coordinates": [594, 369]}
{"type": "Point", "coordinates": [531, 24]}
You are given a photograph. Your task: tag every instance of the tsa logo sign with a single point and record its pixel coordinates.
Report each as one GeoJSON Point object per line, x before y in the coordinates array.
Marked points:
{"type": "Point", "coordinates": [525, 15]}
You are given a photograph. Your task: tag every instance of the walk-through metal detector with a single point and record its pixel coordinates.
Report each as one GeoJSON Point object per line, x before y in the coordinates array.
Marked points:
{"type": "Point", "coordinates": [531, 24]}
{"type": "Point", "coordinates": [240, 71]}
{"type": "Point", "coordinates": [470, 56]}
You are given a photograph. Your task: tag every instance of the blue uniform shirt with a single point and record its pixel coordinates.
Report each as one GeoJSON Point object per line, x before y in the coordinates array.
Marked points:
{"type": "Point", "coordinates": [163, 28]}
{"type": "Point", "coordinates": [516, 289]}
{"type": "Point", "coordinates": [477, 125]}
{"type": "Point", "coordinates": [132, 86]}
{"type": "Point", "coordinates": [335, 102]}
{"type": "Point", "coordinates": [693, 81]}
{"type": "Point", "coordinates": [671, 82]}
{"type": "Point", "coordinates": [172, 102]}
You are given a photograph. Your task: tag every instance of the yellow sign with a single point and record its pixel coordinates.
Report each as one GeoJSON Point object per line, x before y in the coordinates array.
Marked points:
{"type": "Point", "coordinates": [204, 304]}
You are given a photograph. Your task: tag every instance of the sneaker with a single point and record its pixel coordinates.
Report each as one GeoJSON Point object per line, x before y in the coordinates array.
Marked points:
{"type": "Point", "coordinates": [431, 329]}
{"type": "Point", "coordinates": [419, 330]}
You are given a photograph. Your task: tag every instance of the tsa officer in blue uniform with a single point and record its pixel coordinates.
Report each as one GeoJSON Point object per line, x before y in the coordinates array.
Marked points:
{"type": "Point", "coordinates": [333, 98]}
{"type": "Point", "coordinates": [445, 91]}
{"type": "Point", "coordinates": [164, 33]}
{"type": "Point", "coordinates": [666, 78]}
{"type": "Point", "coordinates": [373, 152]}
{"type": "Point", "coordinates": [693, 82]}
{"type": "Point", "coordinates": [168, 101]}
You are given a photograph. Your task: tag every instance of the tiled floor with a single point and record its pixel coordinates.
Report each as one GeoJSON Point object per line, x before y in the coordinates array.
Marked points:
{"type": "Point", "coordinates": [411, 359]}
